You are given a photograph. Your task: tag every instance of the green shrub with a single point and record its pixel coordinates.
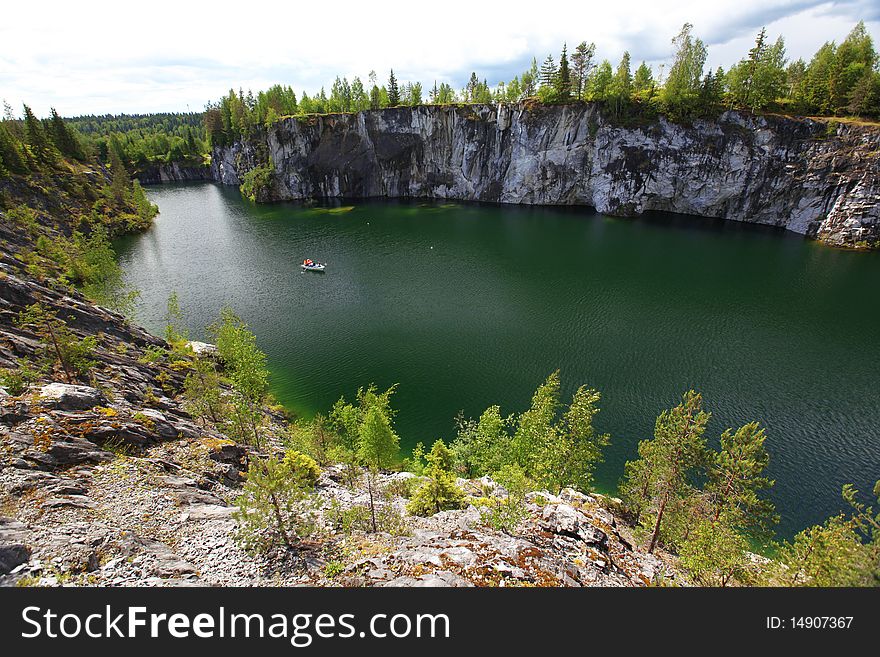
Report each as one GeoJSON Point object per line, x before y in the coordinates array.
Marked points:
{"type": "Point", "coordinates": [152, 355]}
{"type": "Point", "coordinates": [16, 381]}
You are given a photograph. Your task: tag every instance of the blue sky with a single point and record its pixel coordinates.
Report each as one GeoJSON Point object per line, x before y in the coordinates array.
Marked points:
{"type": "Point", "coordinates": [110, 57]}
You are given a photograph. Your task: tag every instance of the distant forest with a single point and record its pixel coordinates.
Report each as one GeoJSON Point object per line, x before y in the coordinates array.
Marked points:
{"type": "Point", "coordinates": [143, 139]}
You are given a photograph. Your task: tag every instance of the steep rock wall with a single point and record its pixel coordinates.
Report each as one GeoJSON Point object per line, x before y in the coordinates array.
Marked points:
{"type": "Point", "coordinates": [794, 173]}
{"type": "Point", "coordinates": [173, 172]}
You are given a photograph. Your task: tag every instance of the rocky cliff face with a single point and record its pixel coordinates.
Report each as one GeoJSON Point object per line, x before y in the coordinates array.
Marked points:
{"type": "Point", "coordinates": [173, 172]}
{"type": "Point", "coordinates": [818, 179]}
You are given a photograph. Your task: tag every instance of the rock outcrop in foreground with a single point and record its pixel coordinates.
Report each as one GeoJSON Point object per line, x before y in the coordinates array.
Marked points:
{"type": "Point", "coordinates": [821, 179]}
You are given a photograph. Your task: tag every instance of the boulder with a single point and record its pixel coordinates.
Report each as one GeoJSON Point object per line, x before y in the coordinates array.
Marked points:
{"type": "Point", "coordinates": [565, 520]}
{"type": "Point", "coordinates": [231, 454]}
{"type": "Point", "coordinates": [13, 544]}
{"type": "Point", "coordinates": [66, 397]}
{"type": "Point", "coordinates": [202, 348]}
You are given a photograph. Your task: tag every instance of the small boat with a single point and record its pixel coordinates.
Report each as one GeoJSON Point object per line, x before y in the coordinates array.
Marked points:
{"type": "Point", "coordinates": [312, 265]}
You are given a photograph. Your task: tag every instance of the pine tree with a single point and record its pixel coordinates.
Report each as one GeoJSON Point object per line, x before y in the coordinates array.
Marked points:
{"type": "Point", "coordinates": [563, 78]}
{"type": "Point", "coordinates": [10, 153]}
{"type": "Point", "coordinates": [548, 72]}
{"type": "Point", "coordinates": [393, 91]}
{"type": "Point", "coordinates": [470, 91]}
{"type": "Point", "coordinates": [737, 481]}
{"type": "Point", "coordinates": [62, 136]}
{"type": "Point", "coordinates": [760, 80]}
{"type": "Point", "coordinates": [662, 474]}
{"type": "Point", "coordinates": [581, 67]}
{"type": "Point", "coordinates": [36, 138]}
{"type": "Point", "coordinates": [440, 491]}
{"type": "Point", "coordinates": [278, 502]}
{"type": "Point", "coordinates": [643, 82]}
{"type": "Point", "coordinates": [120, 181]}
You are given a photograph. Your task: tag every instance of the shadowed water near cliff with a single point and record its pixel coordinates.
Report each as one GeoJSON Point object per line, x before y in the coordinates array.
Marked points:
{"type": "Point", "coordinates": [469, 305]}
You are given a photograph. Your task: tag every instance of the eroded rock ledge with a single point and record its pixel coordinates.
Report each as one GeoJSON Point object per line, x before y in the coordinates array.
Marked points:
{"type": "Point", "coordinates": [821, 179]}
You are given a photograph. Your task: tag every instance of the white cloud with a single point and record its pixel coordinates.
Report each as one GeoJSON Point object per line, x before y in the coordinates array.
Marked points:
{"type": "Point", "coordinates": [99, 57]}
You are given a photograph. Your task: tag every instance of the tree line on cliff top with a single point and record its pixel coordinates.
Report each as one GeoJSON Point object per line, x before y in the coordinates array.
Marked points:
{"type": "Point", "coordinates": [839, 80]}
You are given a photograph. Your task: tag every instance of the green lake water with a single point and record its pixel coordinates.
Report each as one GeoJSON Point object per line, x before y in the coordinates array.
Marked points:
{"type": "Point", "coordinates": [467, 305]}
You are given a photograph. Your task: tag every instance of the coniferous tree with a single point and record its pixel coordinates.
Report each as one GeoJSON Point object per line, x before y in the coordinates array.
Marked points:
{"type": "Point", "coordinates": [62, 136]}
{"type": "Point", "coordinates": [621, 86]}
{"type": "Point", "coordinates": [643, 82]}
{"type": "Point", "coordinates": [10, 153]}
{"type": "Point", "coordinates": [562, 82]}
{"type": "Point", "coordinates": [120, 181]}
{"type": "Point", "coordinates": [393, 91]}
{"type": "Point", "coordinates": [581, 67]}
{"type": "Point", "coordinates": [548, 72]}
{"type": "Point", "coordinates": [737, 481]}
{"type": "Point", "coordinates": [35, 135]}
{"type": "Point", "coordinates": [661, 476]}
{"type": "Point", "coordinates": [854, 57]}
{"type": "Point", "coordinates": [439, 492]}
{"type": "Point", "coordinates": [278, 502]}
{"type": "Point", "coordinates": [760, 80]}
{"type": "Point", "coordinates": [712, 93]}
{"type": "Point", "coordinates": [471, 90]}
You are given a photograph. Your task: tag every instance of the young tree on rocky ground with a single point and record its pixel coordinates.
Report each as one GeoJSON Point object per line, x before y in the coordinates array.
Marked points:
{"type": "Point", "coordinates": [439, 492]}
{"type": "Point", "coordinates": [663, 473]}
{"type": "Point", "coordinates": [202, 391]}
{"type": "Point", "coordinates": [278, 502]}
{"type": "Point", "coordinates": [507, 512]}
{"type": "Point", "coordinates": [378, 446]}
{"type": "Point", "coordinates": [347, 421]}
{"type": "Point", "coordinates": [246, 368]}
{"type": "Point", "coordinates": [60, 344]}
{"type": "Point", "coordinates": [315, 438]}
{"type": "Point", "coordinates": [175, 331]}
